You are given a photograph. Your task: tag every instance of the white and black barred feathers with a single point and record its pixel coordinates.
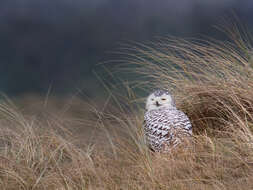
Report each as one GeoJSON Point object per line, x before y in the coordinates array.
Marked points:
{"type": "Point", "coordinates": [165, 128]}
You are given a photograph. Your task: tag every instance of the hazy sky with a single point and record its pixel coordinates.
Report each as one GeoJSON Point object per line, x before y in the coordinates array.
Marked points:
{"type": "Point", "coordinates": [58, 42]}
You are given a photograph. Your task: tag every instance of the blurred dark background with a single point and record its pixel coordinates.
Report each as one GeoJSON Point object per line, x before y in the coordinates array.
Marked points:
{"type": "Point", "coordinates": [57, 43]}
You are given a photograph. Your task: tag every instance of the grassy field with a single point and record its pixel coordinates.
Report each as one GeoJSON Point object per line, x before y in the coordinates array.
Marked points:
{"type": "Point", "coordinates": [69, 143]}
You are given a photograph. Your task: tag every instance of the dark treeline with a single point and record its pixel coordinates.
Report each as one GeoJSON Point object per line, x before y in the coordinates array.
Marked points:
{"type": "Point", "coordinates": [58, 42]}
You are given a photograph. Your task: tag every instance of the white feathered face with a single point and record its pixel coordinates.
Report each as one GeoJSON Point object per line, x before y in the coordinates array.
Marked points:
{"type": "Point", "coordinates": [158, 99]}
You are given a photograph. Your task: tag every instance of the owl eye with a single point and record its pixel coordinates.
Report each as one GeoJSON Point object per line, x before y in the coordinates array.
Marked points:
{"type": "Point", "coordinates": [152, 99]}
{"type": "Point", "coordinates": [163, 99]}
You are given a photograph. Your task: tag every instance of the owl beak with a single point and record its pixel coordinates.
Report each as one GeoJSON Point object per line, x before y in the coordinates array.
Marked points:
{"type": "Point", "coordinates": [157, 104]}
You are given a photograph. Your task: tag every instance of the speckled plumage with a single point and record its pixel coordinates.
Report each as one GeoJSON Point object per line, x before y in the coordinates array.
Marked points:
{"type": "Point", "coordinates": [164, 125]}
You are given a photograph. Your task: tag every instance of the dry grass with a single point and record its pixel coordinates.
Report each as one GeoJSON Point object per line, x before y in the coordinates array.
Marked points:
{"type": "Point", "coordinates": [212, 82]}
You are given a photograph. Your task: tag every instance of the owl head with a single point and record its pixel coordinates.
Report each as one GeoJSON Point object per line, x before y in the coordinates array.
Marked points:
{"type": "Point", "coordinates": [159, 99]}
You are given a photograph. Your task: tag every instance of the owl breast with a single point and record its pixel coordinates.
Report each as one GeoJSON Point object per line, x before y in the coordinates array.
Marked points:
{"type": "Point", "coordinates": [166, 127]}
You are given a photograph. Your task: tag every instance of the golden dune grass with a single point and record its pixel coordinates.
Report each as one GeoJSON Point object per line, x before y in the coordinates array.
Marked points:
{"type": "Point", "coordinates": [212, 82]}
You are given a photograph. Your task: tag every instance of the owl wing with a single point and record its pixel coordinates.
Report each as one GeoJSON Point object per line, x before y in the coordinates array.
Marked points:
{"type": "Point", "coordinates": [179, 128]}
{"type": "Point", "coordinates": [147, 131]}
{"type": "Point", "coordinates": [181, 121]}
{"type": "Point", "coordinates": [157, 129]}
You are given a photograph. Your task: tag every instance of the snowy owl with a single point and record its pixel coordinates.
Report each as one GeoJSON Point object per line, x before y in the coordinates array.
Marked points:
{"type": "Point", "coordinates": [164, 125]}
